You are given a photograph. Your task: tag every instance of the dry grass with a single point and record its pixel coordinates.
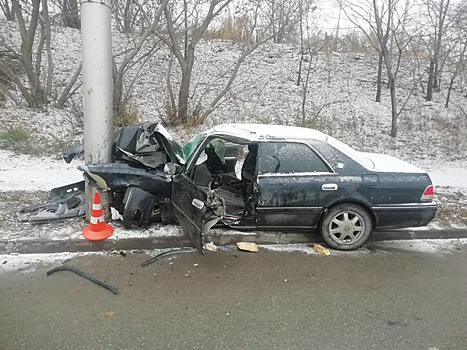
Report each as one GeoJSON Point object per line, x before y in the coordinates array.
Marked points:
{"type": "Point", "coordinates": [232, 28]}
{"type": "Point", "coordinates": [452, 207]}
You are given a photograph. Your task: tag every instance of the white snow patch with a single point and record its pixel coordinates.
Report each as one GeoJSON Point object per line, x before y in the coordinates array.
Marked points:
{"type": "Point", "coordinates": [417, 245]}
{"type": "Point", "coordinates": [426, 246]}
{"type": "Point", "coordinates": [31, 262]}
{"type": "Point", "coordinates": [449, 176]}
{"type": "Point", "coordinates": [22, 172]}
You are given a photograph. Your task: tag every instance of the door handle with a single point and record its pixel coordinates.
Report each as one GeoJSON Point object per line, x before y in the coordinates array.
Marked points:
{"type": "Point", "coordinates": [197, 204]}
{"type": "Point", "coordinates": [329, 187]}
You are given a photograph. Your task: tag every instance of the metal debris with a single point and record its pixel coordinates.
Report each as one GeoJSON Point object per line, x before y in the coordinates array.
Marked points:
{"type": "Point", "coordinates": [167, 253]}
{"type": "Point", "coordinates": [83, 274]}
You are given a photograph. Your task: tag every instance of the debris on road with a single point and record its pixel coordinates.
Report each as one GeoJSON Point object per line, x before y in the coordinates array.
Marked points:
{"type": "Point", "coordinates": [109, 314]}
{"type": "Point", "coordinates": [83, 274]}
{"type": "Point", "coordinates": [63, 203]}
{"type": "Point", "coordinates": [210, 246]}
{"type": "Point", "coordinates": [247, 246]}
{"type": "Point", "coordinates": [320, 249]}
{"type": "Point", "coordinates": [167, 253]}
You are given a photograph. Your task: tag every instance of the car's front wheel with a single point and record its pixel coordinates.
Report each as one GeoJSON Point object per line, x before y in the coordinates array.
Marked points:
{"type": "Point", "coordinates": [346, 226]}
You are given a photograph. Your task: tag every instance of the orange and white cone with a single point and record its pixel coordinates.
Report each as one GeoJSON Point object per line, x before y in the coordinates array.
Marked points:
{"type": "Point", "coordinates": [97, 230]}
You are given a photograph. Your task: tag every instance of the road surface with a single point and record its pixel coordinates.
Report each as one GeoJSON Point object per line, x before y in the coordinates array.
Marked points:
{"type": "Point", "coordinates": [380, 297]}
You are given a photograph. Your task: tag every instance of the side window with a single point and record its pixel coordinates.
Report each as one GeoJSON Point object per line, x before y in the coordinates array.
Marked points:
{"type": "Point", "coordinates": [289, 158]}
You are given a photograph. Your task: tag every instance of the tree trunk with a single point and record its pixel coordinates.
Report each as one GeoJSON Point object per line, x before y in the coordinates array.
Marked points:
{"type": "Point", "coordinates": [392, 88]}
{"type": "Point", "coordinates": [117, 92]}
{"type": "Point", "coordinates": [70, 14]}
{"type": "Point", "coordinates": [7, 9]}
{"type": "Point", "coordinates": [183, 96]}
{"type": "Point", "coordinates": [48, 34]}
{"type": "Point", "coordinates": [451, 83]}
{"type": "Point", "coordinates": [436, 80]}
{"type": "Point", "coordinates": [429, 87]}
{"type": "Point", "coordinates": [379, 82]}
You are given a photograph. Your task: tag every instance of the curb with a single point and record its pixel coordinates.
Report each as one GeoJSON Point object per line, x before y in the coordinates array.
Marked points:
{"type": "Point", "coordinates": [218, 237]}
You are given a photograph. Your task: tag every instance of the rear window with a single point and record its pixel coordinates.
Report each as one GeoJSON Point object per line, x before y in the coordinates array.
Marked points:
{"type": "Point", "coordinates": [350, 152]}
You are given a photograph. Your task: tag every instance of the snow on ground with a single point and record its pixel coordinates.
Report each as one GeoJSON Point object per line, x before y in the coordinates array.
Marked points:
{"type": "Point", "coordinates": [418, 245]}
{"type": "Point", "coordinates": [23, 172]}
{"type": "Point", "coordinates": [453, 176]}
{"type": "Point", "coordinates": [30, 262]}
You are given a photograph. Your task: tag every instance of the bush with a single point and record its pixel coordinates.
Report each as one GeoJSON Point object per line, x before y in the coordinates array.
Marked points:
{"type": "Point", "coordinates": [14, 137]}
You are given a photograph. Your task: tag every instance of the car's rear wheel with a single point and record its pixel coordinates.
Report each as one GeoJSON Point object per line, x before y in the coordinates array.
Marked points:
{"type": "Point", "coordinates": [346, 226]}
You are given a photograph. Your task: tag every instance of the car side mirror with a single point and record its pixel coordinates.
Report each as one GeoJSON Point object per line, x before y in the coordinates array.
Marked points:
{"type": "Point", "coordinates": [172, 168]}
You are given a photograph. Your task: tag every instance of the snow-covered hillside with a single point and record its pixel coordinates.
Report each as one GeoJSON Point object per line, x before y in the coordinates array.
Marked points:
{"type": "Point", "coordinates": [340, 99]}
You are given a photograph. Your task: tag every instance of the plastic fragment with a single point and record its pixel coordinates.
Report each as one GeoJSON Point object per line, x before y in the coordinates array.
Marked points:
{"type": "Point", "coordinates": [320, 249]}
{"type": "Point", "coordinates": [109, 314]}
{"type": "Point", "coordinates": [115, 214]}
{"type": "Point", "coordinates": [247, 246]}
{"type": "Point", "coordinates": [211, 247]}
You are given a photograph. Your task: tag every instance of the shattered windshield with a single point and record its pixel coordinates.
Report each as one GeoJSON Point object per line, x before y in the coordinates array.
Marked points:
{"type": "Point", "coordinates": [190, 146]}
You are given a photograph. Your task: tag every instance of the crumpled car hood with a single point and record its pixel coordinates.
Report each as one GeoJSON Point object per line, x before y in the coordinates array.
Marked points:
{"type": "Point", "coordinates": [148, 144]}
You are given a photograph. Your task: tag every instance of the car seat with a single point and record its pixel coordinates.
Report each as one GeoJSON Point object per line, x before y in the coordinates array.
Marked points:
{"type": "Point", "coordinates": [249, 165]}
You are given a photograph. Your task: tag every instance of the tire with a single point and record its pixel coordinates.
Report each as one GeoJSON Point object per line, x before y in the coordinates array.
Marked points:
{"type": "Point", "coordinates": [346, 226]}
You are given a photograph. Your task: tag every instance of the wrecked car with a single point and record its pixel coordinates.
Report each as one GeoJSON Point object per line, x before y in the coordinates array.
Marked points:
{"type": "Point", "coordinates": [141, 190]}
{"type": "Point", "coordinates": [266, 176]}
{"type": "Point", "coordinates": [262, 176]}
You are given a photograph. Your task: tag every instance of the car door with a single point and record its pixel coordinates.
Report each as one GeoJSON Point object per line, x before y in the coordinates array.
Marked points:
{"type": "Point", "coordinates": [196, 207]}
{"type": "Point", "coordinates": [293, 185]}
{"type": "Point", "coordinates": [188, 202]}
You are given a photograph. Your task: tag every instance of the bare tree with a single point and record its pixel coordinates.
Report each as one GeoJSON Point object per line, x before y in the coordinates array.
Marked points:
{"type": "Point", "coordinates": [437, 12]}
{"type": "Point", "coordinates": [385, 20]}
{"type": "Point", "coordinates": [305, 9]}
{"type": "Point", "coordinates": [186, 26]}
{"type": "Point", "coordinates": [30, 54]}
{"type": "Point", "coordinates": [7, 9]}
{"type": "Point", "coordinates": [284, 17]}
{"type": "Point", "coordinates": [133, 15]}
{"type": "Point", "coordinates": [190, 36]}
{"type": "Point", "coordinates": [458, 56]}
{"type": "Point", "coordinates": [390, 23]}
{"type": "Point", "coordinates": [70, 14]}
{"type": "Point", "coordinates": [133, 57]}
{"type": "Point", "coordinates": [361, 14]}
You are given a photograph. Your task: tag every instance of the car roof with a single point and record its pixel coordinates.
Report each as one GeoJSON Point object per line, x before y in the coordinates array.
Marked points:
{"type": "Point", "coordinates": [260, 132]}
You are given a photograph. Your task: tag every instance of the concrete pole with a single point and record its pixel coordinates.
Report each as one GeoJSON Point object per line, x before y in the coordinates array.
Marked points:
{"type": "Point", "coordinates": [97, 88]}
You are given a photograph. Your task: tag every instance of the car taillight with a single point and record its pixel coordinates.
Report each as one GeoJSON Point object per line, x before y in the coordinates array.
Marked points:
{"type": "Point", "coordinates": [428, 195]}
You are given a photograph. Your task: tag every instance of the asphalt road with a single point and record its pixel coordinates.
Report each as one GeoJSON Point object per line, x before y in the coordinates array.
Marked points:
{"type": "Point", "coordinates": [377, 299]}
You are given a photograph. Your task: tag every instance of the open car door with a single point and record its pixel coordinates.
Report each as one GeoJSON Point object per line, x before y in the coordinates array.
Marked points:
{"type": "Point", "coordinates": [196, 208]}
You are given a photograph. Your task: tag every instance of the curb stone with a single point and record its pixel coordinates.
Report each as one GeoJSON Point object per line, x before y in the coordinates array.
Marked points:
{"type": "Point", "coordinates": [219, 238]}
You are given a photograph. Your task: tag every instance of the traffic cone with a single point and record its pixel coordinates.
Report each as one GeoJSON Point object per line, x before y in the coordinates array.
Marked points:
{"type": "Point", "coordinates": [97, 230]}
